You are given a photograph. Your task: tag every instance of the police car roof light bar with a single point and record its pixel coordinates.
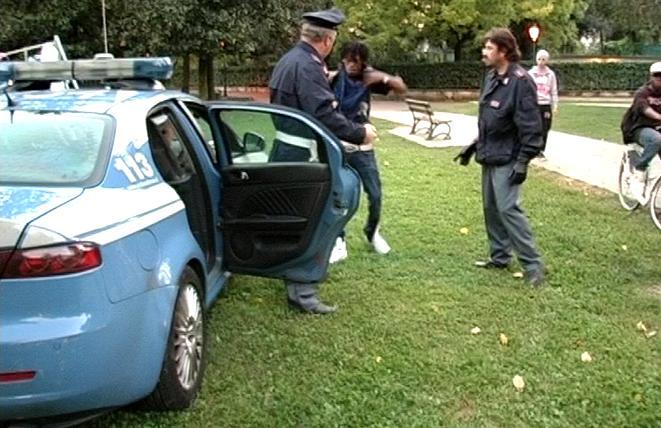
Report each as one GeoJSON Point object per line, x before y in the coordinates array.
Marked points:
{"type": "Point", "coordinates": [87, 69]}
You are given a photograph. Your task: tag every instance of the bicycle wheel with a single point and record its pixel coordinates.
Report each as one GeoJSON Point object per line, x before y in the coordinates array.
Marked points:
{"type": "Point", "coordinates": [655, 203]}
{"type": "Point", "coordinates": [627, 200]}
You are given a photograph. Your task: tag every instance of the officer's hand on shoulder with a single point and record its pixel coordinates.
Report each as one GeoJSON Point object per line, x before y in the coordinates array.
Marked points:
{"type": "Point", "coordinates": [370, 133]}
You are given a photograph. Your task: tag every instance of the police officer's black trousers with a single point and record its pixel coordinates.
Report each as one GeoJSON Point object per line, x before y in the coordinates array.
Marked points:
{"type": "Point", "coordinates": [507, 225]}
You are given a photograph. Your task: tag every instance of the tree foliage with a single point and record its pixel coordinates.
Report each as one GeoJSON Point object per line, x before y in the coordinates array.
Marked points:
{"type": "Point", "coordinates": [627, 23]}
{"type": "Point", "coordinates": [225, 31]}
{"type": "Point", "coordinates": [459, 24]}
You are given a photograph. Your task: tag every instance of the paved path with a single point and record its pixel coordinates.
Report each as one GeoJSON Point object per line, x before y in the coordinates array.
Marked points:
{"type": "Point", "coordinates": [592, 161]}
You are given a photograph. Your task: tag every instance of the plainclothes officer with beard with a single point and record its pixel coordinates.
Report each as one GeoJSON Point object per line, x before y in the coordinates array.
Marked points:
{"type": "Point", "coordinates": [300, 81]}
{"type": "Point", "coordinates": [510, 135]}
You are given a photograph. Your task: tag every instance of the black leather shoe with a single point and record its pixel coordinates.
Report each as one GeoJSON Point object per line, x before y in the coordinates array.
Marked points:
{"type": "Point", "coordinates": [535, 278]}
{"type": "Point", "coordinates": [317, 309]}
{"type": "Point", "coordinates": [490, 264]}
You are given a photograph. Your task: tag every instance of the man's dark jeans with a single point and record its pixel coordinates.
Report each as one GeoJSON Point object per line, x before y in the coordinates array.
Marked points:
{"type": "Point", "coordinates": [365, 164]}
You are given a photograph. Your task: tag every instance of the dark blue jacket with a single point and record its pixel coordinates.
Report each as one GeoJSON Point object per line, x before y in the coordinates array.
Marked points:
{"type": "Point", "coordinates": [354, 96]}
{"type": "Point", "coordinates": [509, 123]}
{"type": "Point", "coordinates": [299, 80]}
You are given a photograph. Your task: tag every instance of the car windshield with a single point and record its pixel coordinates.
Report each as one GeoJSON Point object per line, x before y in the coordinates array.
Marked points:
{"type": "Point", "coordinates": [52, 148]}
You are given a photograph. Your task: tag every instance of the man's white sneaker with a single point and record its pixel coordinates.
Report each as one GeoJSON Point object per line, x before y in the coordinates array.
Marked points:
{"type": "Point", "coordinates": [339, 252]}
{"type": "Point", "coordinates": [380, 245]}
{"type": "Point", "coordinates": [637, 185]}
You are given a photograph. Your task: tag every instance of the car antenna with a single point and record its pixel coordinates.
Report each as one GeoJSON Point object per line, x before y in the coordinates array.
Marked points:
{"type": "Point", "coordinates": [10, 103]}
{"type": "Point", "coordinates": [3, 88]}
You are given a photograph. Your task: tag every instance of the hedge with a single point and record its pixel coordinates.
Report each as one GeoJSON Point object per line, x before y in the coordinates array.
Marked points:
{"type": "Point", "coordinates": [572, 76]}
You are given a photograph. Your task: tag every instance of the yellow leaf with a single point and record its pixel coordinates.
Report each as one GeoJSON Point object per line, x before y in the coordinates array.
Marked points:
{"type": "Point", "coordinates": [518, 275]}
{"type": "Point", "coordinates": [625, 248]}
{"type": "Point", "coordinates": [650, 334]}
{"type": "Point", "coordinates": [386, 163]}
{"type": "Point", "coordinates": [475, 330]}
{"type": "Point", "coordinates": [641, 326]}
{"type": "Point", "coordinates": [379, 359]}
{"type": "Point", "coordinates": [463, 231]}
{"type": "Point", "coordinates": [518, 383]}
{"type": "Point", "coordinates": [503, 339]}
{"type": "Point", "coordinates": [586, 357]}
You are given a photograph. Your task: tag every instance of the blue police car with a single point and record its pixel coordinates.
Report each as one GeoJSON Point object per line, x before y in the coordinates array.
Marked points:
{"type": "Point", "coordinates": [123, 210]}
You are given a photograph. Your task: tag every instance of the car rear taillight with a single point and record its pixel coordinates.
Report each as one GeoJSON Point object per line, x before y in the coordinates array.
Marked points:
{"type": "Point", "coordinates": [17, 376]}
{"type": "Point", "coordinates": [50, 261]}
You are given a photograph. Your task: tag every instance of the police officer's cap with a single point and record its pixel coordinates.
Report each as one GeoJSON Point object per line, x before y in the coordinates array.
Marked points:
{"type": "Point", "coordinates": [329, 18]}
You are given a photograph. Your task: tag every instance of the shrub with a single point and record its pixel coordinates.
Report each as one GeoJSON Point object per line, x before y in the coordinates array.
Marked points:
{"type": "Point", "coordinates": [572, 76]}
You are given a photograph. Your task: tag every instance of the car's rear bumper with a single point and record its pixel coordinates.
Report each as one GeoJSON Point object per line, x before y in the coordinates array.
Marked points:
{"type": "Point", "coordinates": [90, 354]}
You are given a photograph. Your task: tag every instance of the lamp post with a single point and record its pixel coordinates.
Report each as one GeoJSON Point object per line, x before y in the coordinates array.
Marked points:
{"type": "Point", "coordinates": [105, 28]}
{"type": "Point", "coordinates": [533, 33]}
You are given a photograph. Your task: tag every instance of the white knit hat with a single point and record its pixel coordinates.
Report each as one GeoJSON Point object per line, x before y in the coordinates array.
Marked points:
{"type": "Point", "coordinates": [542, 53]}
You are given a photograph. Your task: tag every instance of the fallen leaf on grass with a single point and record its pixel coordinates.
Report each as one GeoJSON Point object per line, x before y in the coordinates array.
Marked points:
{"type": "Point", "coordinates": [518, 275]}
{"type": "Point", "coordinates": [650, 334]}
{"type": "Point", "coordinates": [379, 359]}
{"type": "Point", "coordinates": [625, 248]}
{"type": "Point", "coordinates": [386, 163]}
{"type": "Point", "coordinates": [503, 339]}
{"type": "Point", "coordinates": [586, 357]}
{"type": "Point", "coordinates": [463, 231]}
{"type": "Point", "coordinates": [475, 330]}
{"type": "Point", "coordinates": [518, 383]}
{"type": "Point", "coordinates": [641, 326]}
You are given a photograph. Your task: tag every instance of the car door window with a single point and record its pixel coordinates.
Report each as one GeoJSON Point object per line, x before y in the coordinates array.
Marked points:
{"type": "Point", "coordinates": [266, 137]}
{"type": "Point", "coordinates": [200, 120]}
{"type": "Point", "coordinates": [170, 153]}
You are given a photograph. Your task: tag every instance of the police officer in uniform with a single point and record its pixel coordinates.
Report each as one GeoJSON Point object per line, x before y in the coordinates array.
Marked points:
{"type": "Point", "coordinates": [510, 135]}
{"type": "Point", "coordinates": [300, 81]}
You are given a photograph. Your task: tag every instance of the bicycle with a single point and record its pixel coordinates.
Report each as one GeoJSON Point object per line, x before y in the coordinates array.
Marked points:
{"type": "Point", "coordinates": [651, 191]}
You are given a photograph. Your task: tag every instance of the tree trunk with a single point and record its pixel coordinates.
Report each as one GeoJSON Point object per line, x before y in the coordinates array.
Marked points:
{"type": "Point", "coordinates": [185, 77]}
{"type": "Point", "coordinates": [458, 51]}
{"type": "Point", "coordinates": [211, 78]}
{"type": "Point", "coordinates": [202, 76]}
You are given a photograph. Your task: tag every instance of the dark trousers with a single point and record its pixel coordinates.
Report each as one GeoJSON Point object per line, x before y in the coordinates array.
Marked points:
{"type": "Point", "coordinates": [507, 225]}
{"type": "Point", "coordinates": [365, 164]}
{"type": "Point", "coordinates": [546, 111]}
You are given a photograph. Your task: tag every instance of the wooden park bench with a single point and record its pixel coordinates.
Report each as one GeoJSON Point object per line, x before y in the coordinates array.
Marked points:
{"type": "Point", "coordinates": [422, 112]}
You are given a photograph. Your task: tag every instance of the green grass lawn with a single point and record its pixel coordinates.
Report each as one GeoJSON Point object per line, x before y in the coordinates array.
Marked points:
{"type": "Point", "coordinates": [399, 353]}
{"type": "Point", "coordinates": [589, 121]}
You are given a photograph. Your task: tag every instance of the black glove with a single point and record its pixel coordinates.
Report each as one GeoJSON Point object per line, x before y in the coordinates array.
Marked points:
{"type": "Point", "coordinates": [519, 173]}
{"type": "Point", "coordinates": [466, 153]}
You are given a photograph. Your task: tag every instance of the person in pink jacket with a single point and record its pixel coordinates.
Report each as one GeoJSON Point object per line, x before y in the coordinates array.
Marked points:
{"type": "Point", "coordinates": [547, 92]}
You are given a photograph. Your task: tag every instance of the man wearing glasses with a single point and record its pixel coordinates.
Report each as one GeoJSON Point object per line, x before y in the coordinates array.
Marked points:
{"type": "Point", "coordinates": [642, 124]}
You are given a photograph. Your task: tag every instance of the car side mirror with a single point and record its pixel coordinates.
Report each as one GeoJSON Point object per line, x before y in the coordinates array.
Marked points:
{"type": "Point", "coordinates": [253, 143]}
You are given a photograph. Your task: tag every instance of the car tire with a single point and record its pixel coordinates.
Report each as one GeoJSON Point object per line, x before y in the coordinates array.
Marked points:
{"type": "Point", "coordinates": [185, 356]}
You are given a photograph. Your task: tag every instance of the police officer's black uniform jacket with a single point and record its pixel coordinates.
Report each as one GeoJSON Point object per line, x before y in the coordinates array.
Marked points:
{"type": "Point", "coordinates": [509, 122]}
{"type": "Point", "coordinates": [300, 81]}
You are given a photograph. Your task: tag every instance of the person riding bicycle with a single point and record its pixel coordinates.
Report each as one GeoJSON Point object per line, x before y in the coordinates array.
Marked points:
{"type": "Point", "coordinates": [642, 124]}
